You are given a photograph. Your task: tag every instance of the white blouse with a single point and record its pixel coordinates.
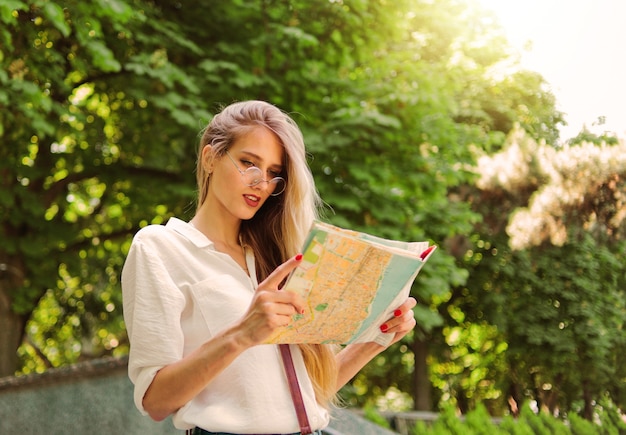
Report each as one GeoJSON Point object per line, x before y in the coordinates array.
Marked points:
{"type": "Point", "coordinates": [179, 292]}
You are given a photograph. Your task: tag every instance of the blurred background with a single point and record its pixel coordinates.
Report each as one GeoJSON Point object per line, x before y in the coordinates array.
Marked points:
{"type": "Point", "coordinates": [488, 128]}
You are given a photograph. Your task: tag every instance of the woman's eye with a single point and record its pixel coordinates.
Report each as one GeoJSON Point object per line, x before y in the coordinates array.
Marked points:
{"type": "Point", "coordinates": [274, 174]}
{"type": "Point", "coordinates": [247, 163]}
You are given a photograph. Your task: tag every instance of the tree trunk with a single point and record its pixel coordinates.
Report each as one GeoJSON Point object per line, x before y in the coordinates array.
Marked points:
{"type": "Point", "coordinates": [423, 395]}
{"type": "Point", "coordinates": [588, 401]}
{"type": "Point", "coordinates": [12, 325]}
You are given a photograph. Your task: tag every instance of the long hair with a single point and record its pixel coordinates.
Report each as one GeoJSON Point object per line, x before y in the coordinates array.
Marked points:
{"type": "Point", "coordinates": [277, 231]}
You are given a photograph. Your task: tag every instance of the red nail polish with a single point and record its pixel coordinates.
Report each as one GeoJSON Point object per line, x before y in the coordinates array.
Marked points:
{"type": "Point", "coordinates": [397, 313]}
{"type": "Point", "coordinates": [384, 327]}
{"type": "Point", "coordinates": [298, 257]}
{"type": "Point", "coordinates": [426, 252]}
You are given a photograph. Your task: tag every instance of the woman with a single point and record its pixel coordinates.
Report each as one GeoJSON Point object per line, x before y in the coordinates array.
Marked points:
{"type": "Point", "coordinates": [201, 297]}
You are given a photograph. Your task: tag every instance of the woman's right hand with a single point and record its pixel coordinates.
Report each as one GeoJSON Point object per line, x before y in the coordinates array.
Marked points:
{"type": "Point", "coordinates": [177, 383]}
{"type": "Point", "coordinates": [271, 308]}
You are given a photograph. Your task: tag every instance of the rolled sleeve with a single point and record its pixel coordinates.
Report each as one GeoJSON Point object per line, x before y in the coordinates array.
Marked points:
{"type": "Point", "coordinates": [153, 304]}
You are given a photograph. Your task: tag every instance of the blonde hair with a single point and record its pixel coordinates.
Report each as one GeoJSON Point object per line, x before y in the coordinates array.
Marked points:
{"type": "Point", "coordinates": [277, 230]}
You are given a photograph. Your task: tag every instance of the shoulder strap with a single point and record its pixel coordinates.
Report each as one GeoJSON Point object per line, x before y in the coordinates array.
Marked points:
{"type": "Point", "coordinates": [294, 387]}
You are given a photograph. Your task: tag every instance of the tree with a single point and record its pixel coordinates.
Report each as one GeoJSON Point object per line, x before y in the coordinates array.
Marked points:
{"type": "Point", "coordinates": [83, 166]}
{"type": "Point", "coordinates": [548, 270]}
{"type": "Point", "coordinates": [101, 103]}
{"type": "Point", "coordinates": [419, 155]}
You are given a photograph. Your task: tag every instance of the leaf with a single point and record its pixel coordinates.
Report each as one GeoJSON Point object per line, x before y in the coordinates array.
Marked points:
{"type": "Point", "coordinates": [172, 32]}
{"type": "Point", "coordinates": [427, 318]}
{"type": "Point", "coordinates": [117, 9]}
{"type": "Point", "coordinates": [184, 118]}
{"type": "Point", "coordinates": [302, 37]}
{"type": "Point", "coordinates": [6, 10]}
{"type": "Point", "coordinates": [214, 66]}
{"type": "Point", "coordinates": [56, 15]}
{"type": "Point", "coordinates": [103, 57]}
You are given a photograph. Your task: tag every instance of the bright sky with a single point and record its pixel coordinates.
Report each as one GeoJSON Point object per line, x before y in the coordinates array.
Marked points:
{"type": "Point", "coordinates": [579, 47]}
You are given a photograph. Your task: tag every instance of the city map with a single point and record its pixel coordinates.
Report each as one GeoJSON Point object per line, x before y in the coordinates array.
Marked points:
{"type": "Point", "coordinates": [352, 282]}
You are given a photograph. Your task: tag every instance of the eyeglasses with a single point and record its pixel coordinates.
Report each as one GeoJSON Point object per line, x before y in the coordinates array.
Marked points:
{"type": "Point", "coordinates": [252, 176]}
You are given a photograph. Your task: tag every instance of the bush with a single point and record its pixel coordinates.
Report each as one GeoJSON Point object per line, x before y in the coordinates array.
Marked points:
{"type": "Point", "coordinates": [580, 426]}
{"type": "Point", "coordinates": [371, 413]}
{"type": "Point", "coordinates": [611, 419]}
{"type": "Point", "coordinates": [479, 422]}
{"type": "Point", "coordinates": [449, 423]}
{"type": "Point", "coordinates": [512, 426]}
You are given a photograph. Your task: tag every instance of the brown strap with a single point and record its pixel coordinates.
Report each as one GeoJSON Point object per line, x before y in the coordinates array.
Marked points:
{"type": "Point", "coordinates": [296, 394]}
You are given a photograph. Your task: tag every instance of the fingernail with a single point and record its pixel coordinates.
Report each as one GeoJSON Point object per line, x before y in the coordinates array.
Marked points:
{"type": "Point", "coordinates": [397, 313]}
{"type": "Point", "coordinates": [384, 327]}
{"type": "Point", "coordinates": [298, 257]}
{"type": "Point", "coordinates": [426, 252]}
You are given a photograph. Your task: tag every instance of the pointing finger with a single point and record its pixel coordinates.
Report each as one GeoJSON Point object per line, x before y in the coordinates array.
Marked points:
{"type": "Point", "coordinates": [281, 272]}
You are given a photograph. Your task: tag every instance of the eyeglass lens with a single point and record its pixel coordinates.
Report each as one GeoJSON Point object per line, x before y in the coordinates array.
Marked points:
{"type": "Point", "coordinates": [253, 176]}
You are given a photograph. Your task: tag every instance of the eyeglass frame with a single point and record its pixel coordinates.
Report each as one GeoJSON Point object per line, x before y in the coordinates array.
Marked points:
{"type": "Point", "coordinates": [258, 181]}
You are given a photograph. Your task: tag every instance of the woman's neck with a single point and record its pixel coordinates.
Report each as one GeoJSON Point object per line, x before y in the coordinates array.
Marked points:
{"type": "Point", "coordinates": [221, 231]}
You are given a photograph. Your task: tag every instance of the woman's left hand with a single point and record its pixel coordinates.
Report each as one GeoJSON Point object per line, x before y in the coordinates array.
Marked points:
{"type": "Point", "coordinates": [402, 322]}
{"type": "Point", "coordinates": [353, 357]}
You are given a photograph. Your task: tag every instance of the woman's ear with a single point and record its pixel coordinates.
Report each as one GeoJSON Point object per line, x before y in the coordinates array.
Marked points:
{"type": "Point", "coordinates": [207, 158]}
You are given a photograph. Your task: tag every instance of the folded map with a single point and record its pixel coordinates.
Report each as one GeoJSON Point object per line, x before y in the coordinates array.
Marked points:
{"type": "Point", "coordinates": [352, 282]}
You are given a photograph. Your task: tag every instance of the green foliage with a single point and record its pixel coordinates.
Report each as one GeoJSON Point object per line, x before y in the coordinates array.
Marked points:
{"type": "Point", "coordinates": [534, 421]}
{"type": "Point", "coordinates": [552, 425]}
{"type": "Point", "coordinates": [101, 103]}
{"type": "Point", "coordinates": [371, 413]}
{"type": "Point", "coordinates": [580, 426]}
{"type": "Point", "coordinates": [574, 310]}
{"type": "Point", "coordinates": [557, 300]}
{"type": "Point", "coordinates": [586, 136]}
{"type": "Point", "coordinates": [449, 422]}
{"type": "Point", "coordinates": [612, 420]}
{"type": "Point", "coordinates": [85, 168]}
{"type": "Point", "coordinates": [469, 370]}
{"type": "Point", "coordinates": [515, 427]}
{"type": "Point", "coordinates": [478, 421]}
{"type": "Point", "coordinates": [420, 428]}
